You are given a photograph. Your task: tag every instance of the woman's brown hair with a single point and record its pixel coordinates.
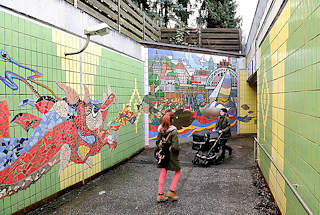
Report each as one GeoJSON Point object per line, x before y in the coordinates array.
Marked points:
{"type": "Point", "coordinates": [166, 121]}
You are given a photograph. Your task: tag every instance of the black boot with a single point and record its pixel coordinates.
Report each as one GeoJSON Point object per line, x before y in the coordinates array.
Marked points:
{"type": "Point", "coordinates": [229, 149]}
{"type": "Point", "coordinates": [222, 156]}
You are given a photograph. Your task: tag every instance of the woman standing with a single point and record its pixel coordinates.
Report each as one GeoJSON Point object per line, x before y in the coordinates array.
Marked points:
{"type": "Point", "coordinates": [166, 128]}
{"type": "Point", "coordinates": [223, 124]}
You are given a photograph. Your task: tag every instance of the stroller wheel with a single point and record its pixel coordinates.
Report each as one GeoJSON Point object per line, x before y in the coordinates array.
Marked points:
{"type": "Point", "coordinates": [205, 163]}
{"type": "Point", "coordinates": [195, 161]}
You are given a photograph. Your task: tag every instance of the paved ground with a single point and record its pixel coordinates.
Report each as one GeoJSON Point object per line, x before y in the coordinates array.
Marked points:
{"type": "Point", "coordinates": [132, 188]}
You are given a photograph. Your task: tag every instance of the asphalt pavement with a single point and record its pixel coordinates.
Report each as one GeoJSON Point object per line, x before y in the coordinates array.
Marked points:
{"type": "Point", "coordinates": [131, 188]}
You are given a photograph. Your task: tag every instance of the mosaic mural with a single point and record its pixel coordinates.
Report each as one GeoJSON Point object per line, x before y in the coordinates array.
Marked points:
{"type": "Point", "coordinates": [62, 119]}
{"type": "Point", "coordinates": [194, 86]}
{"type": "Point", "coordinates": [70, 129]}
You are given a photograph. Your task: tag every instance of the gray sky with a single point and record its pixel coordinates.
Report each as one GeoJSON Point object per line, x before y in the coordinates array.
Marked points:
{"type": "Point", "coordinates": [246, 9]}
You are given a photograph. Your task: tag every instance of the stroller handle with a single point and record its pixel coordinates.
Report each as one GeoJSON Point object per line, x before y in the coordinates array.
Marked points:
{"type": "Point", "coordinates": [214, 144]}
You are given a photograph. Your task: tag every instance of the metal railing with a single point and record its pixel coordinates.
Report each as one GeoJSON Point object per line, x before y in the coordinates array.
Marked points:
{"type": "Point", "coordinates": [304, 205]}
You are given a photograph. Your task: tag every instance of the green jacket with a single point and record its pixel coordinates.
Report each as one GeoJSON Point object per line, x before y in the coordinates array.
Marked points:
{"type": "Point", "coordinates": [174, 163]}
{"type": "Point", "coordinates": [223, 123]}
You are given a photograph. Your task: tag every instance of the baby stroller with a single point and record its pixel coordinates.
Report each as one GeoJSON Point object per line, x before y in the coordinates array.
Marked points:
{"type": "Point", "coordinates": [208, 150]}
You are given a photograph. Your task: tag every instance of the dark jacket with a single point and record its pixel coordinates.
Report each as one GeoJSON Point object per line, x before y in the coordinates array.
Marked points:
{"type": "Point", "coordinates": [174, 163]}
{"type": "Point", "coordinates": [223, 123]}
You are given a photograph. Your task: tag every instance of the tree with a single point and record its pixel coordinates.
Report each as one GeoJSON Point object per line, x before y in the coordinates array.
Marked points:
{"type": "Point", "coordinates": [142, 3]}
{"type": "Point", "coordinates": [159, 93]}
{"type": "Point", "coordinates": [161, 11]}
{"type": "Point", "coordinates": [167, 60]}
{"type": "Point", "coordinates": [152, 78]}
{"type": "Point", "coordinates": [165, 11]}
{"type": "Point", "coordinates": [182, 31]}
{"type": "Point", "coordinates": [219, 14]}
{"type": "Point", "coordinates": [182, 11]}
{"type": "Point", "coordinates": [171, 74]}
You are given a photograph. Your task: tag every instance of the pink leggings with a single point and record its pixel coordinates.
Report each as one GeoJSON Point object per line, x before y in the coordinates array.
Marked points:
{"type": "Point", "coordinates": [162, 178]}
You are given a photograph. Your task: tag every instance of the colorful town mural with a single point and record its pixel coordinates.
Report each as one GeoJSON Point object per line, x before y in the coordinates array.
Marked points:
{"type": "Point", "coordinates": [70, 130]}
{"type": "Point", "coordinates": [194, 86]}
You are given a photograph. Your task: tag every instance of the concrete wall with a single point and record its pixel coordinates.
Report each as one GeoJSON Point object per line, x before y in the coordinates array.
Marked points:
{"type": "Point", "coordinates": [288, 105]}
{"type": "Point", "coordinates": [54, 135]}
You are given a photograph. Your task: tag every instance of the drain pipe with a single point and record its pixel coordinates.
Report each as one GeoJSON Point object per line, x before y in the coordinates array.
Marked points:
{"type": "Point", "coordinates": [291, 186]}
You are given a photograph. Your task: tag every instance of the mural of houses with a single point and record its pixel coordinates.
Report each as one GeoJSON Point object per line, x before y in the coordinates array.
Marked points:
{"type": "Point", "coordinates": [165, 68]}
{"type": "Point", "coordinates": [156, 65]}
{"type": "Point", "coordinates": [199, 79]}
{"type": "Point", "coordinates": [211, 66]}
{"type": "Point", "coordinates": [167, 84]}
{"type": "Point", "coordinates": [182, 74]}
{"type": "Point", "coordinates": [191, 71]}
{"type": "Point", "coordinates": [202, 72]}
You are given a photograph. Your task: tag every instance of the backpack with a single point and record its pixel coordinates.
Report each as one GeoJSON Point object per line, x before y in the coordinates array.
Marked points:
{"type": "Point", "coordinates": [162, 153]}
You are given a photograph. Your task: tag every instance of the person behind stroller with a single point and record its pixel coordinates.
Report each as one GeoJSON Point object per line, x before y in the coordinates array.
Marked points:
{"type": "Point", "coordinates": [223, 126]}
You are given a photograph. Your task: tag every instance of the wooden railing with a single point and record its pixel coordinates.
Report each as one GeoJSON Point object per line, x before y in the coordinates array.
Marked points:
{"type": "Point", "coordinates": [226, 39]}
{"type": "Point", "coordinates": [123, 16]}
{"type": "Point", "coordinates": [127, 18]}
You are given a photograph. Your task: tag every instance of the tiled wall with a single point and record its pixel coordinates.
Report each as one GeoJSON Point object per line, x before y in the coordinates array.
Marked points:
{"type": "Point", "coordinates": [248, 106]}
{"type": "Point", "coordinates": [288, 105]}
{"type": "Point", "coordinates": [57, 142]}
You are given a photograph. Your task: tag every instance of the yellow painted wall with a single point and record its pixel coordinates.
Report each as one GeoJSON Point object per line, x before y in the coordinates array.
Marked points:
{"type": "Point", "coordinates": [248, 99]}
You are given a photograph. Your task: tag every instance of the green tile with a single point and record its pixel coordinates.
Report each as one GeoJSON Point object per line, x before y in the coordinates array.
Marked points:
{"type": "Point", "coordinates": [21, 38]}
{"type": "Point", "coordinates": [27, 27]}
{"type": "Point", "coordinates": [32, 190]}
{"type": "Point", "coordinates": [2, 39]}
{"type": "Point", "coordinates": [28, 44]}
{"type": "Point", "coordinates": [15, 23]}
{"type": "Point", "coordinates": [1, 206]}
{"type": "Point", "coordinates": [14, 53]}
{"type": "Point", "coordinates": [39, 60]}
{"type": "Point", "coordinates": [21, 25]}
{"type": "Point", "coordinates": [39, 45]}
{"type": "Point", "coordinates": [38, 196]}
{"type": "Point", "coordinates": [7, 211]}
{"type": "Point", "coordinates": [21, 206]}
{"type": "Point", "coordinates": [33, 199]}
{"type": "Point", "coordinates": [7, 202]}
{"type": "Point", "coordinates": [48, 34]}
{"type": "Point", "coordinates": [14, 208]}
{"type": "Point", "coordinates": [28, 57]}
{"type": "Point", "coordinates": [34, 29]}
{"type": "Point", "coordinates": [33, 58]}
{"type": "Point", "coordinates": [33, 44]}
{"type": "Point", "coordinates": [2, 19]}
{"type": "Point", "coordinates": [7, 20]}
{"type": "Point", "coordinates": [20, 196]}
{"type": "Point", "coordinates": [8, 37]}
{"type": "Point", "coordinates": [22, 56]}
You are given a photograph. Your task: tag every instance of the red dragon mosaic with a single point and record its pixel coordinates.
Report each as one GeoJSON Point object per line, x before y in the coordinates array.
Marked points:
{"type": "Point", "coordinates": [69, 130]}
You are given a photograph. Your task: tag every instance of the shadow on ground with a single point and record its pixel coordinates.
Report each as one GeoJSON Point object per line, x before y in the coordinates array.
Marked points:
{"type": "Point", "coordinates": [132, 188]}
